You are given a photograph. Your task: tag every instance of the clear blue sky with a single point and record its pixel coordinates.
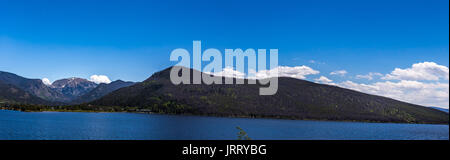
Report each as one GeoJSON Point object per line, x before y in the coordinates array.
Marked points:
{"type": "Point", "coordinates": [130, 40]}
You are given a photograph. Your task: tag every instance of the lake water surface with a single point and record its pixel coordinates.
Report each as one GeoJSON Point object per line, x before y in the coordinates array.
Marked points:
{"type": "Point", "coordinates": [16, 125]}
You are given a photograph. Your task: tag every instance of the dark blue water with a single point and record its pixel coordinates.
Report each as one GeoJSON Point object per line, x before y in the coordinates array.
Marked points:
{"type": "Point", "coordinates": [133, 126]}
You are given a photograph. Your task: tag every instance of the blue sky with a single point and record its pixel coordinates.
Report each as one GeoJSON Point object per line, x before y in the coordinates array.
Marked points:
{"type": "Point", "coordinates": [130, 40]}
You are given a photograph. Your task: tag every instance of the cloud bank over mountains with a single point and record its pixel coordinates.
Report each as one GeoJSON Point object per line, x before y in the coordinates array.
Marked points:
{"type": "Point", "coordinates": [424, 83]}
{"type": "Point", "coordinates": [427, 94]}
{"type": "Point", "coordinates": [420, 71]}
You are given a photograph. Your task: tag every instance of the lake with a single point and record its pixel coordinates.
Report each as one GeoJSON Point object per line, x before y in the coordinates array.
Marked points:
{"type": "Point", "coordinates": [15, 125]}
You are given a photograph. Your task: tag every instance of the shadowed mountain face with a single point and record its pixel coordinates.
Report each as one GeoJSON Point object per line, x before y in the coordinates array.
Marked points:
{"type": "Point", "coordinates": [32, 86]}
{"type": "Point", "coordinates": [11, 94]}
{"type": "Point", "coordinates": [295, 99]}
{"type": "Point", "coordinates": [101, 90]}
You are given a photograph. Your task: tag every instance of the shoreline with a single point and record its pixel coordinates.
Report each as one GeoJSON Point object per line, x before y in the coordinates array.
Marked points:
{"type": "Point", "coordinates": [218, 116]}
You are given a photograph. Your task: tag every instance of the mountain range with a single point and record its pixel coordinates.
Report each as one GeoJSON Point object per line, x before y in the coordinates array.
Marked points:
{"type": "Point", "coordinates": [61, 92]}
{"type": "Point", "coordinates": [295, 99]}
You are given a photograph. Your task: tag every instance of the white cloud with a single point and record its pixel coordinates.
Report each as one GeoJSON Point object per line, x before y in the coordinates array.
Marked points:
{"type": "Point", "coordinates": [420, 71]}
{"type": "Point", "coordinates": [339, 73]}
{"type": "Point", "coordinates": [46, 81]}
{"type": "Point", "coordinates": [427, 94]}
{"type": "Point", "coordinates": [299, 72]}
{"type": "Point", "coordinates": [99, 79]}
{"type": "Point", "coordinates": [324, 80]}
{"type": "Point", "coordinates": [369, 76]}
{"type": "Point", "coordinates": [228, 72]}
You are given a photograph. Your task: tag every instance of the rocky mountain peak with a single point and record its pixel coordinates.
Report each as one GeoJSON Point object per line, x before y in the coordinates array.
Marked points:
{"type": "Point", "coordinates": [73, 82]}
{"type": "Point", "coordinates": [73, 87]}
